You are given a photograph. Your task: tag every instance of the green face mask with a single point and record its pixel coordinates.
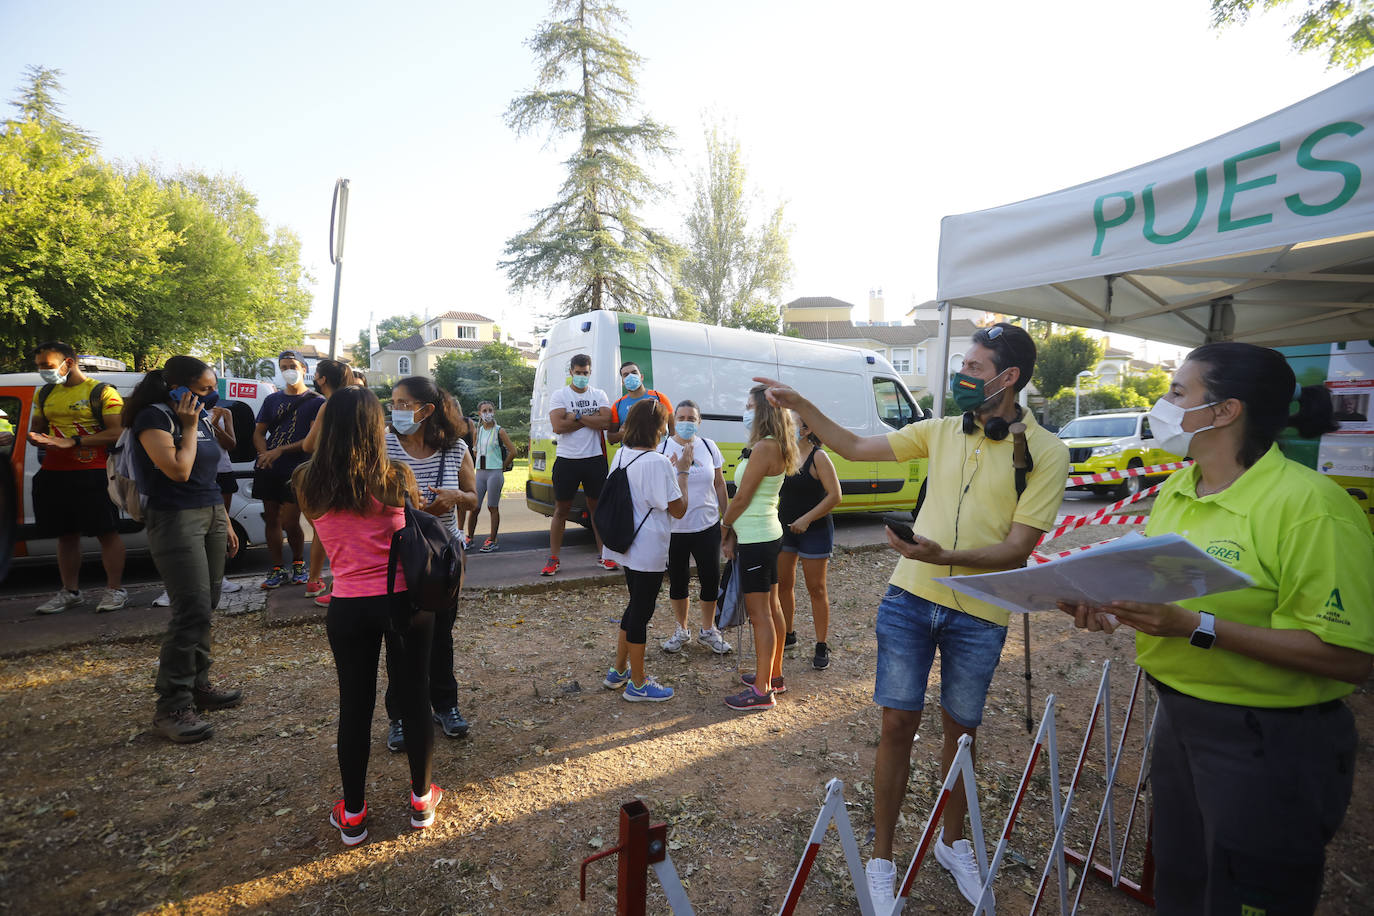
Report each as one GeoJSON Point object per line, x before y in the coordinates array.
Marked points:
{"type": "Point", "coordinates": [968, 391]}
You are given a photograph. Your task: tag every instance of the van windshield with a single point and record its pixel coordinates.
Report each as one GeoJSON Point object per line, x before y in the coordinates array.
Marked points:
{"type": "Point", "coordinates": [1099, 428]}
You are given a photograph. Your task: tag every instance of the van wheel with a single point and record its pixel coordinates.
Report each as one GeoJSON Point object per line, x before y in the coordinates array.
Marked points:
{"type": "Point", "coordinates": [1131, 485]}
{"type": "Point", "coordinates": [236, 560]}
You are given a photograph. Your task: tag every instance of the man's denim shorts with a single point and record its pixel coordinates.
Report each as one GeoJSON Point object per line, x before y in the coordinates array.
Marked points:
{"type": "Point", "coordinates": [910, 629]}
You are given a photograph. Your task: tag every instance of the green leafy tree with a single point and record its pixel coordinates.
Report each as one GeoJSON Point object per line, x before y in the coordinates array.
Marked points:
{"type": "Point", "coordinates": [389, 330]}
{"type": "Point", "coordinates": [591, 243]}
{"type": "Point", "coordinates": [1151, 386]}
{"type": "Point", "coordinates": [1059, 409]}
{"type": "Point", "coordinates": [1060, 357]}
{"type": "Point", "coordinates": [1341, 29]}
{"type": "Point", "coordinates": [495, 373]}
{"type": "Point", "coordinates": [734, 273]}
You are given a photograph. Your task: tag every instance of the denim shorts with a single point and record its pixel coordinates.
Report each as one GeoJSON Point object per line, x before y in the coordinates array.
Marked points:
{"type": "Point", "coordinates": [910, 629]}
{"type": "Point", "coordinates": [817, 542]}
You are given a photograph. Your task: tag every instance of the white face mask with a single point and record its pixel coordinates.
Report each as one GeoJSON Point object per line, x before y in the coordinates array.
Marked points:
{"type": "Point", "coordinates": [291, 376]}
{"type": "Point", "coordinates": [404, 422]}
{"type": "Point", "coordinates": [1166, 422]}
{"type": "Point", "coordinates": [53, 376]}
{"type": "Point", "coordinates": [488, 416]}
{"type": "Point", "coordinates": [749, 419]}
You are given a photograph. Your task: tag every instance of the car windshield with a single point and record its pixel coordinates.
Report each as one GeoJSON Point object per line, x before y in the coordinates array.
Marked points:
{"type": "Point", "coordinates": [1099, 428]}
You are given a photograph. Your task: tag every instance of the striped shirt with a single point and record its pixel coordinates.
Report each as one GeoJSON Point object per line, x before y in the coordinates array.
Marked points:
{"type": "Point", "coordinates": [426, 471]}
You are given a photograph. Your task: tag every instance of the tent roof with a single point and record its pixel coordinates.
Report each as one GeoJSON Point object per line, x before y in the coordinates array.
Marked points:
{"type": "Point", "coordinates": [1264, 234]}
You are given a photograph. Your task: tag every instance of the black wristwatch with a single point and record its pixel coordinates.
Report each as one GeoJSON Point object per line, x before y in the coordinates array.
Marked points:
{"type": "Point", "coordinates": [76, 441]}
{"type": "Point", "coordinates": [1205, 635]}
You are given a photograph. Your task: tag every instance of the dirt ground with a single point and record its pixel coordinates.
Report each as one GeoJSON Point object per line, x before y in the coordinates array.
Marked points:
{"type": "Point", "coordinates": [99, 816]}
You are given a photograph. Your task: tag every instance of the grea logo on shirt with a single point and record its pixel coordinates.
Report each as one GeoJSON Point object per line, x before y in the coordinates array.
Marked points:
{"type": "Point", "coordinates": [1227, 551]}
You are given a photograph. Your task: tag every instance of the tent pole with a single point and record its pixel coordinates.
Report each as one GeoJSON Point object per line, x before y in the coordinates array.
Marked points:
{"type": "Point", "coordinates": [940, 382]}
{"type": "Point", "coordinates": [1221, 322]}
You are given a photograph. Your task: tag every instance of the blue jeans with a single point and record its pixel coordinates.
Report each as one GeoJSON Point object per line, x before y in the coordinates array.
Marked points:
{"type": "Point", "coordinates": [910, 629]}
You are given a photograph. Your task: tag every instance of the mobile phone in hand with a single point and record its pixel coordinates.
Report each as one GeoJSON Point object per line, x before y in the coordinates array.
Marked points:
{"type": "Point", "coordinates": [900, 525]}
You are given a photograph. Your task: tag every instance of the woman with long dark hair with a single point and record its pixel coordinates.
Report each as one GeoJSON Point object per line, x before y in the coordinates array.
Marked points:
{"type": "Point", "coordinates": [355, 499]}
{"type": "Point", "coordinates": [1254, 750]}
{"type": "Point", "coordinates": [426, 435]}
{"type": "Point", "coordinates": [189, 535]}
{"type": "Point", "coordinates": [330, 376]}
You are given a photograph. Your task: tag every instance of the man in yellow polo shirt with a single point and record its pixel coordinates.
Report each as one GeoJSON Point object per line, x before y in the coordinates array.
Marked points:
{"type": "Point", "coordinates": [973, 520]}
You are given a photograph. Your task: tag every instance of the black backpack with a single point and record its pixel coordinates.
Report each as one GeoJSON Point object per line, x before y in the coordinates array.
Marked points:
{"type": "Point", "coordinates": [615, 510]}
{"type": "Point", "coordinates": [431, 561]}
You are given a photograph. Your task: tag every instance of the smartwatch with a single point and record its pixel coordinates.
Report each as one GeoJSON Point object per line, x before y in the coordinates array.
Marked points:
{"type": "Point", "coordinates": [1205, 634]}
{"type": "Point", "coordinates": [76, 441]}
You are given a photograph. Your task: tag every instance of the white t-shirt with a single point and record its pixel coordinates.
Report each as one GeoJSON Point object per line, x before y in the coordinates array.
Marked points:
{"type": "Point", "coordinates": [653, 484]}
{"type": "Point", "coordinates": [582, 442]}
{"type": "Point", "coordinates": [702, 508]}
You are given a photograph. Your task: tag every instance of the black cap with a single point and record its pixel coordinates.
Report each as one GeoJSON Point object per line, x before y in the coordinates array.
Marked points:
{"type": "Point", "coordinates": [292, 354]}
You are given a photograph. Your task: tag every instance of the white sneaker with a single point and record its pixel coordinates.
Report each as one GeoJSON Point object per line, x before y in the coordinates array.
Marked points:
{"type": "Point", "coordinates": [59, 602]}
{"type": "Point", "coordinates": [113, 600]}
{"type": "Point", "coordinates": [229, 586]}
{"type": "Point", "coordinates": [712, 640]}
{"type": "Point", "coordinates": [958, 860]}
{"type": "Point", "coordinates": [882, 884]}
{"type": "Point", "coordinates": [675, 642]}
{"type": "Point", "coordinates": [163, 600]}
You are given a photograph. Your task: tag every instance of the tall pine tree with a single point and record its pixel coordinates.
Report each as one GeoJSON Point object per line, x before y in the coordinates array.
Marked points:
{"type": "Point", "coordinates": [591, 244]}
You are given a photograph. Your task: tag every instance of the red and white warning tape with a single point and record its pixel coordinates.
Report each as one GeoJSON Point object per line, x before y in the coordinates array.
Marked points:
{"type": "Point", "coordinates": [1045, 558]}
{"type": "Point", "coordinates": [1104, 516]}
{"type": "Point", "coordinates": [1082, 479]}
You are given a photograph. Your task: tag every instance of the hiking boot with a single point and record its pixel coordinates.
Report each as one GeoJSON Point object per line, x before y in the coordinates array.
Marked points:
{"type": "Point", "coordinates": [616, 679]}
{"type": "Point", "coordinates": [299, 575]}
{"type": "Point", "coordinates": [210, 698]}
{"type": "Point", "coordinates": [352, 830]}
{"type": "Point", "coordinates": [882, 883]}
{"type": "Point", "coordinates": [822, 658]}
{"type": "Point", "coordinates": [651, 691]}
{"type": "Point", "coordinates": [114, 599]}
{"type": "Point", "coordinates": [713, 640]}
{"type": "Point", "coordinates": [958, 860]}
{"type": "Point", "coordinates": [675, 642]}
{"type": "Point", "coordinates": [452, 722]}
{"type": "Point", "coordinates": [488, 546]}
{"type": "Point", "coordinates": [789, 641]}
{"type": "Point", "coordinates": [315, 589]}
{"type": "Point", "coordinates": [60, 602]}
{"type": "Point", "coordinates": [182, 726]}
{"type": "Point", "coordinates": [229, 586]}
{"type": "Point", "coordinates": [606, 563]}
{"type": "Point", "coordinates": [422, 814]}
{"type": "Point", "coordinates": [395, 737]}
{"type": "Point", "coordinates": [275, 579]}
{"type": "Point", "coordinates": [777, 683]}
{"type": "Point", "coordinates": [163, 600]}
{"type": "Point", "coordinates": [749, 700]}
{"type": "Point", "coordinates": [550, 567]}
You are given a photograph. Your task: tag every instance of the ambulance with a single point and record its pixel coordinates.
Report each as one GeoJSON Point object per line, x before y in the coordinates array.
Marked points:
{"type": "Point", "coordinates": [714, 367]}
{"type": "Point", "coordinates": [19, 391]}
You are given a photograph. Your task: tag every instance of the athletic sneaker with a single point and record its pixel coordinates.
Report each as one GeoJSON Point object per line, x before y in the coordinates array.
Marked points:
{"type": "Point", "coordinates": [299, 575]}
{"type": "Point", "coordinates": [210, 698]}
{"type": "Point", "coordinates": [114, 599]}
{"type": "Point", "coordinates": [352, 830]}
{"type": "Point", "coordinates": [749, 699]}
{"type": "Point", "coordinates": [315, 589]}
{"type": "Point", "coordinates": [713, 640]}
{"type": "Point", "coordinates": [452, 722]}
{"type": "Point", "coordinates": [789, 640]}
{"type": "Point", "coordinates": [395, 737]}
{"type": "Point", "coordinates": [822, 658]}
{"type": "Point", "coordinates": [675, 642]}
{"type": "Point", "coordinates": [958, 860]}
{"type": "Point", "coordinates": [275, 579]}
{"type": "Point", "coordinates": [60, 602]}
{"type": "Point", "coordinates": [882, 883]}
{"type": "Point", "coordinates": [616, 679]}
{"type": "Point", "coordinates": [651, 691]}
{"type": "Point", "coordinates": [488, 546]}
{"type": "Point", "coordinates": [422, 813]}
{"type": "Point", "coordinates": [229, 586]}
{"type": "Point", "coordinates": [183, 726]}
{"type": "Point", "coordinates": [605, 563]}
{"type": "Point", "coordinates": [777, 683]}
{"type": "Point", "coordinates": [163, 600]}
{"type": "Point", "coordinates": [323, 600]}
{"type": "Point", "coordinates": [550, 567]}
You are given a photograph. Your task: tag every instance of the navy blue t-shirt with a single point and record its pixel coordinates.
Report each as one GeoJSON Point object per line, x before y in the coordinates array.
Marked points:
{"type": "Point", "coordinates": [285, 425]}
{"type": "Point", "coordinates": [165, 493]}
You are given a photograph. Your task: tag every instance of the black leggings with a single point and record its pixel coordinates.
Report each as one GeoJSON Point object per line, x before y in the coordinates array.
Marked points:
{"type": "Point", "coordinates": [704, 548]}
{"type": "Point", "coordinates": [356, 627]}
{"type": "Point", "coordinates": [443, 686]}
{"type": "Point", "coordinates": [644, 588]}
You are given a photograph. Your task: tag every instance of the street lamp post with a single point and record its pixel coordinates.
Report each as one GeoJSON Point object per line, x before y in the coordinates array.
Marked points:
{"type": "Point", "coordinates": [1086, 373]}
{"type": "Point", "coordinates": [497, 373]}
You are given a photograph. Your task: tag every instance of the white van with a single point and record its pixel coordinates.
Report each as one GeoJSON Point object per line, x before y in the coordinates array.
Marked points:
{"type": "Point", "coordinates": [19, 391]}
{"type": "Point", "coordinates": [715, 367]}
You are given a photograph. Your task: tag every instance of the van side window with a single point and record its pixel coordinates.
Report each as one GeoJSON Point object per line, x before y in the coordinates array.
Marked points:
{"type": "Point", "coordinates": [894, 406]}
{"type": "Point", "coordinates": [1145, 428]}
{"type": "Point", "coordinates": [9, 424]}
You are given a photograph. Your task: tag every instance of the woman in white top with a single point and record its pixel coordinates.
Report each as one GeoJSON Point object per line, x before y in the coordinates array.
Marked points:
{"type": "Point", "coordinates": [426, 434]}
{"type": "Point", "coordinates": [696, 536]}
{"type": "Point", "coordinates": [495, 456]}
{"type": "Point", "coordinates": [656, 492]}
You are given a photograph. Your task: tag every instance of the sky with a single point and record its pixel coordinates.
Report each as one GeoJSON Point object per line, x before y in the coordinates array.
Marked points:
{"type": "Point", "coordinates": [868, 120]}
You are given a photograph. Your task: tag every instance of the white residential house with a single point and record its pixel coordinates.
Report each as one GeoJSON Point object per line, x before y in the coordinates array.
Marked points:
{"type": "Point", "coordinates": [447, 333]}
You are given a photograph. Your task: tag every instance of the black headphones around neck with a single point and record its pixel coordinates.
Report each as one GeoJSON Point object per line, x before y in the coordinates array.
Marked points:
{"type": "Point", "coordinates": [995, 428]}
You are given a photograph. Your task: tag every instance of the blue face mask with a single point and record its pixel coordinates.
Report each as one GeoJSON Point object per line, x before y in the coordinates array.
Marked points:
{"type": "Point", "coordinates": [209, 400]}
{"type": "Point", "coordinates": [581, 381]}
{"type": "Point", "coordinates": [686, 429]}
{"type": "Point", "coordinates": [749, 419]}
{"type": "Point", "coordinates": [403, 421]}
{"type": "Point", "coordinates": [632, 382]}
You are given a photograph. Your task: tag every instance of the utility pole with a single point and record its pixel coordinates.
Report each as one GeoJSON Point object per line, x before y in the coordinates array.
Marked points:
{"type": "Point", "coordinates": [338, 216]}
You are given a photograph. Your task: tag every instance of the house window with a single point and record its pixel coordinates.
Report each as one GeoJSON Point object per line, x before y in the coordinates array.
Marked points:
{"type": "Point", "coordinates": [403, 365]}
{"type": "Point", "coordinates": [901, 360]}
{"type": "Point", "coordinates": [467, 332]}
{"type": "Point", "coordinates": [434, 333]}
{"type": "Point", "coordinates": [920, 360]}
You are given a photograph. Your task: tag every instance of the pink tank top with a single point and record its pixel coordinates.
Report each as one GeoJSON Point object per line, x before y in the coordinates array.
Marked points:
{"type": "Point", "coordinates": [358, 547]}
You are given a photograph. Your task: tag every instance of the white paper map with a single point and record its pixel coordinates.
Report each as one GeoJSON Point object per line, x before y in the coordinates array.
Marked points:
{"type": "Point", "coordinates": [1159, 569]}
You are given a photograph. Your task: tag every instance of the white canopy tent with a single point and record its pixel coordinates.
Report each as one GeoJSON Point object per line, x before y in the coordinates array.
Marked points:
{"type": "Point", "coordinates": [1264, 234]}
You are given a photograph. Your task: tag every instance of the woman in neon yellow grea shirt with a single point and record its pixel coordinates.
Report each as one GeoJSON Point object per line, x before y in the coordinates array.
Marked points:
{"type": "Point", "coordinates": [1254, 751]}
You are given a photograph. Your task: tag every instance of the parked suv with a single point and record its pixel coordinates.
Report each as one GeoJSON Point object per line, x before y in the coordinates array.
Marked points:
{"type": "Point", "coordinates": [1113, 440]}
